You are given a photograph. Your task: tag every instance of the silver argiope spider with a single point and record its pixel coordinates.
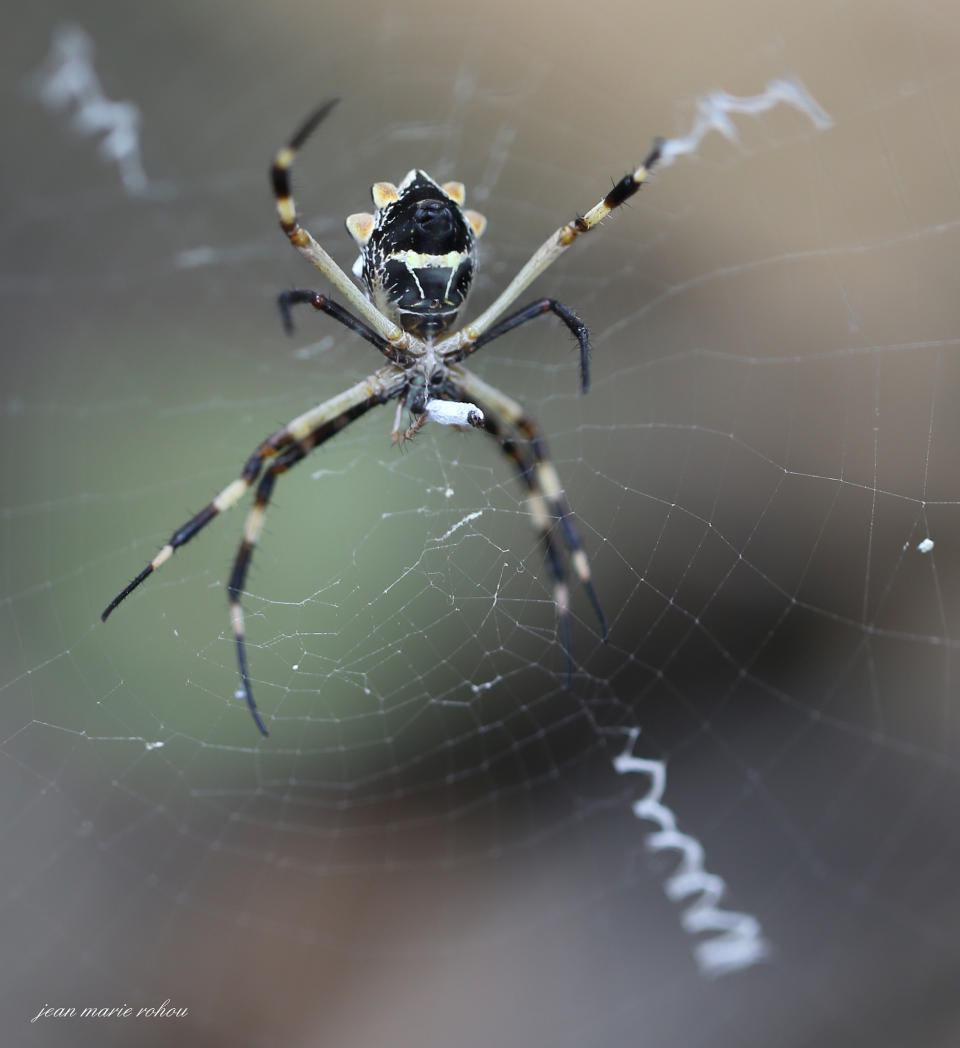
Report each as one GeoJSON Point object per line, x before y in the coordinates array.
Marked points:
{"type": "Point", "coordinates": [418, 255]}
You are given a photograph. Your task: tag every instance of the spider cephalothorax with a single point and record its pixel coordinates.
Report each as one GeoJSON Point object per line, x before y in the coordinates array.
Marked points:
{"type": "Point", "coordinates": [418, 253]}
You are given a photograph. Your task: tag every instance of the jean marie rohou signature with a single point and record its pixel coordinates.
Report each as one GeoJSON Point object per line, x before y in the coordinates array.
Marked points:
{"type": "Point", "coordinates": [166, 1010]}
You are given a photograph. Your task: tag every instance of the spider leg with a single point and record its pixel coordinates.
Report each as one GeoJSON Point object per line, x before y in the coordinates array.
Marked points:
{"type": "Point", "coordinates": [554, 246]}
{"type": "Point", "coordinates": [301, 296]}
{"type": "Point", "coordinates": [546, 498]}
{"type": "Point", "coordinates": [543, 525]}
{"type": "Point", "coordinates": [553, 491]}
{"type": "Point", "coordinates": [530, 312]}
{"type": "Point", "coordinates": [291, 455]}
{"type": "Point", "coordinates": [310, 249]}
{"type": "Point", "coordinates": [379, 385]}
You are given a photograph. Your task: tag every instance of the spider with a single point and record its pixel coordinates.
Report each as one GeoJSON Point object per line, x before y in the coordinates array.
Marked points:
{"type": "Point", "coordinates": [418, 255]}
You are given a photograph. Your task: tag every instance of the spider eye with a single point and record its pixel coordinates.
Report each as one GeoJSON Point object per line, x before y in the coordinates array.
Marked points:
{"type": "Point", "coordinates": [433, 218]}
{"type": "Point", "coordinates": [436, 378]}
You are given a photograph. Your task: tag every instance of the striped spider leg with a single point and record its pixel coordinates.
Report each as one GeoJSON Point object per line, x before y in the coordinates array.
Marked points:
{"type": "Point", "coordinates": [471, 337]}
{"type": "Point", "coordinates": [304, 242]}
{"type": "Point", "coordinates": [520, 440]}
{"type": "Point", "coordinates": [287, 447]}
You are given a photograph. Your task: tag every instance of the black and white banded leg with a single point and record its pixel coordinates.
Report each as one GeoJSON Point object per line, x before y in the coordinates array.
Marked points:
{"type": "Point", "coordinates": [549, 251]}
{"type": "Point", "coordinates": [520, 439]}
{"type": "Point", "coordinates": [543, 525]}
{"type": "Point", "coordinates": [288, 458]}
{"type": "Point", "coordinates": [312, 251]}
{"type": "Point", "coordinates": [290, 443]}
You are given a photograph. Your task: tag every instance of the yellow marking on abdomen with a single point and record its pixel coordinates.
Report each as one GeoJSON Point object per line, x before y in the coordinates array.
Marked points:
{"type": "Point", "coordinates": [419, 260]}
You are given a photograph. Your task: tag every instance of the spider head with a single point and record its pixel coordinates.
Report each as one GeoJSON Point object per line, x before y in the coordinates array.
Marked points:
{"type": "Point", "coordinates": [418, 253]}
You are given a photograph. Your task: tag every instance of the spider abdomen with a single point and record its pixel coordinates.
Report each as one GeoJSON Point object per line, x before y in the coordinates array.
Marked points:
{"type": "Point", "coordinates": [418, 252]}
{"type": "Point", "coordinates": [425, 293]}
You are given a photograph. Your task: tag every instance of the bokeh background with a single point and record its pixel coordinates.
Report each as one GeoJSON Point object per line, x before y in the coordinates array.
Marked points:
{"type": "Point", "coordinates": [433, 847]}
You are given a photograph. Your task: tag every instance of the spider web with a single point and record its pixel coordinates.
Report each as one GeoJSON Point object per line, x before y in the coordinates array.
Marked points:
{"type": "Point", "coordinates": [736, 826]}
